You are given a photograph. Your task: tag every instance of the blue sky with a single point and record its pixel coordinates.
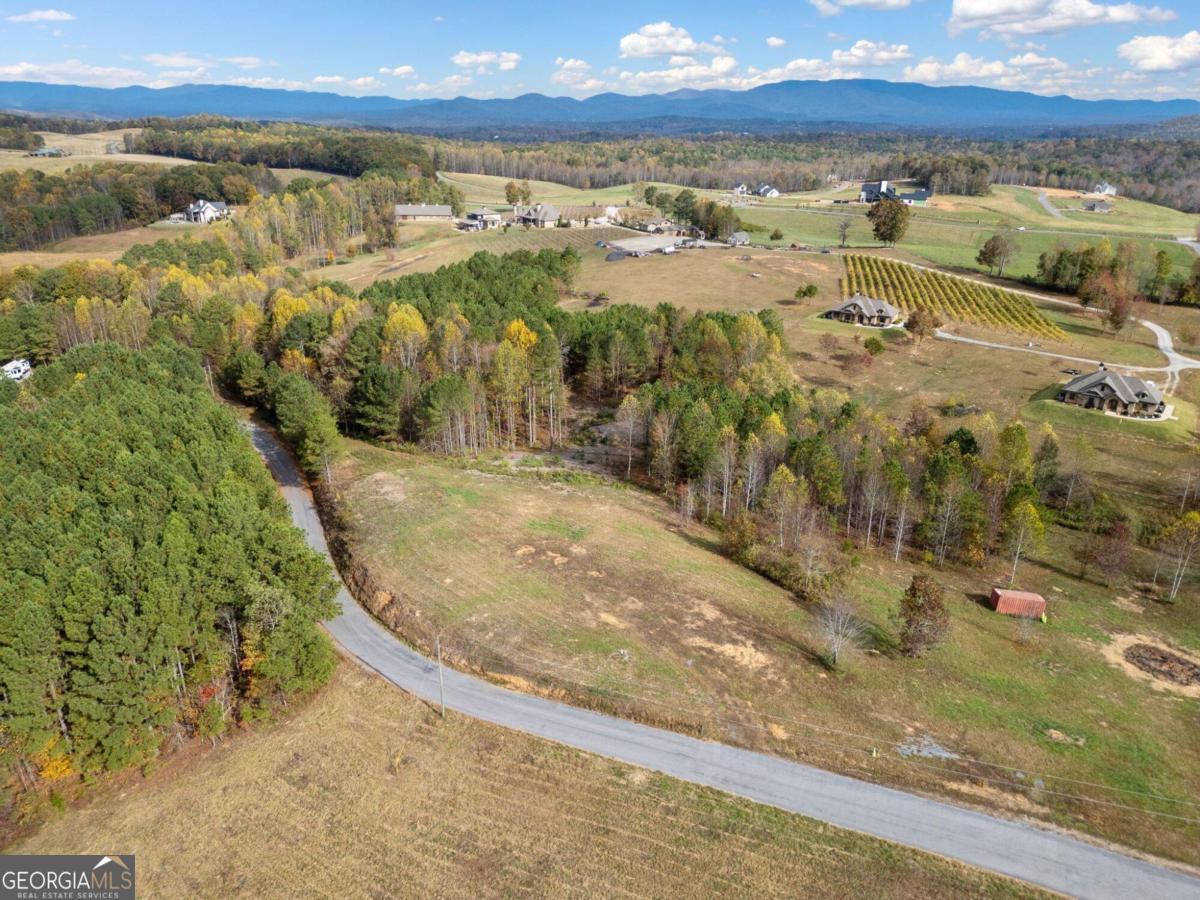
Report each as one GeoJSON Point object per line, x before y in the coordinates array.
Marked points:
{"type": "Point", "coordinates": [1086, 48]}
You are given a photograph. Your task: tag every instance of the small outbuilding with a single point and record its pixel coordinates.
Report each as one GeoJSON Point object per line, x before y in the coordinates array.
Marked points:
{"type": "Point", "coordinates": [17, 370]}
{"type": "Point", "coordinates": [738, 239]}
{"type": "Point", "coordinates": [1024, 604]}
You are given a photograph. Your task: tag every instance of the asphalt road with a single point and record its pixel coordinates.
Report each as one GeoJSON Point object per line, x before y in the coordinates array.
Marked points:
{"type": "Point", "coordinates": [1022, 851]}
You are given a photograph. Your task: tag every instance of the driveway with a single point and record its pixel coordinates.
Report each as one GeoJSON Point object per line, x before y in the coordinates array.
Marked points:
{"type": "Point", "coordinates": [1011, 848]}
{"type": "Point", "coordinates": [1048, 206]}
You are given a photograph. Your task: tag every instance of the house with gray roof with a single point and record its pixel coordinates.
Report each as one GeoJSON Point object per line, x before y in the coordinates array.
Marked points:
{"type": "Point", "coordinates": [204, 211]}
{"type": "Point", "coordinates": [863, 310]}
{"type": "Point", "coordinates": [423, 212]}
{"type": "Point", "coordinates": [738, 239]}
{"type": "Point", "coordinates": [540, 215]}
{"type": "Point", "coordinates": [874, 191]}
{"type": "Point", "coordinates": [1113, 392]}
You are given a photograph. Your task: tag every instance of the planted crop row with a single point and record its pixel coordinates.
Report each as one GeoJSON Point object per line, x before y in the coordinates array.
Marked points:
{"type": "Point", "coordinates": [910, 288]}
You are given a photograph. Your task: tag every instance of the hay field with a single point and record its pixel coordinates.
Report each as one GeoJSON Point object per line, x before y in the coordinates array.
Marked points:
{"type": "Point", "coordinates": [364, 792]}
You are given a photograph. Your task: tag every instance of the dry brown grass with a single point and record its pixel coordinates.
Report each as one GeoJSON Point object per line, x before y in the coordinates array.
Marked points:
{"type": "Point", "coordinates": [100, 246]}
{"type": "Point", "coordinates": [363, 792]}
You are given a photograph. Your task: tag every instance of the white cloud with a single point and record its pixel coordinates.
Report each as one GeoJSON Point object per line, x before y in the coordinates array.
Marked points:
{"type": "Point", "coordinates": [172, 60]}
{"type": "Point", "coordinates": [964, 67]}
{"type": "Point", "coordinates": [264, 81]}
{"type": "Point", "coordinates": [576, 75]}
{"type": "Point", "coordinates": [1009, 18]}
{"type": "Point", "coordinates": [662, 39]}
{"type": "Point", "coordinates": [1028, 71]}
{"type": "Point", "coordinates": [504, 60]}
{"type": "Point", "coordinates": [681, 61]}
{"type": "Point", "coordinates": [43, 15]}
{"type": "Point", "coordinates": [774, 41]}
{"type": "Point", "coordinates": [451, 84]}
{"type": "Point", "coordinates": [870, 53]}
{"type": "Point", "coordinates": [170, 77]}
{"type": "Point", "coordinates": [722, 72]}
{"type": "Point", "coordinates": [1161, 53]}
{"type": "Point", "coordinates": [248, 62]}
{"type": "Point", "coordinates": [399, 71]}
{"type": "Point", "coordinates": [72, 71]}
{"type": "Point", "coordinates": [833, 7]}
{"type": "Point", "coordinates": [364, 83]}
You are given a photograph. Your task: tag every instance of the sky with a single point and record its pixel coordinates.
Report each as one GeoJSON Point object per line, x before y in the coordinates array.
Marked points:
{"type": "Point", "coordinates": [1084, 48]}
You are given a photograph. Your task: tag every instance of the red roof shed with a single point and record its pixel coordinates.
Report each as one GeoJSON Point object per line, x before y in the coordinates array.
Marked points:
{"type": "Point", "coordinates": [1018, 603]}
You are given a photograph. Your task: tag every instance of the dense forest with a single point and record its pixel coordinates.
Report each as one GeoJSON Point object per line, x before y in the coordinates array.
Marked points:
{"type": "Point", "coordinates": [152, 586]}
{"type": "Point", "coordinates": [38, 209]}
{"type": "Point", "coordinates": [336, 150]}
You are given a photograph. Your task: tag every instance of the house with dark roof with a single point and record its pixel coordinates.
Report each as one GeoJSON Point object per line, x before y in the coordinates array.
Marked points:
{"type": "Point", "coordinates": [540, 215]}
{"type": "Point", "coordinates": [204, 211]}
{"type": "Point", "coordinates": [920, 195]}
{"type": "Point", "coordinates": [1099, 206]}
{"type": "Point", "coordinates": [874, 191]}
{"type": "Point", "coordinates": [1113, 392]}
{"type": "Point", "coordinates": [423, 212]}
{"type": "Point", "coordinates": [483, 219]}
{"type": "Point", "coordinates": [863, 310]}
{"type": "Point", "coordinates": [765, 190]}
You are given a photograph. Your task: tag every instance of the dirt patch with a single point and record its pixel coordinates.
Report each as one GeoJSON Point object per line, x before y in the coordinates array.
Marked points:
{"type": "Point", "coordinates": [744, 654]}
{"type": "Point", "coordinates": [994, 796]}
{"type": "Point", "coordinates": [1164, 664]}
{"type": "Point", "coordinates": [387, 486]}
{"type": "Point", "coordinates": [610, 619]}
{"type": "Point", "coordinates": [1144, 663]}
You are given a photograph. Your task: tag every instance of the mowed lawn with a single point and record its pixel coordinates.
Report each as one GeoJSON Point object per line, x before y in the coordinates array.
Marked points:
{"type": "Point", "coordinates": [597, 594]}
{"type": "Point", "coordinates": [364, 792]}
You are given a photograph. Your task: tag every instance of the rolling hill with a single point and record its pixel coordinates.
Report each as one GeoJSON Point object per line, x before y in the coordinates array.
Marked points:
{"type": "Point", "coordinates": [773, 107]}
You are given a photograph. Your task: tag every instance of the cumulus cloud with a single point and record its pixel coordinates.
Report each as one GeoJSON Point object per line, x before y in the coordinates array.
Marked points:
{"type": "Point", "coordinates": [72, 71]}
{"type": "Point", "coordinates": [1014, 18]}
{"type": "Point", "coordinates": [1162, 53]}
{"type": "Point", "coordinates": [833, 7]}
{"type": "Point", "coordinates": [662, 39]}
{"type": "Point", "coordinates": [870, 53]}
{"type": "Point", "coordinates": [1029, 71]}
{"type": "Point", "coordinates": [774, 41]}
{"type": "Point", "coordinates": [362, 83]}
{"type": "Point", "coordinates": [399, 71]}
{"type": "Point", "coordinates": [504, 60]}
{"type": "Point", "coordinates": [576, 75]}
{"type": "Point", "coordinates": [248, 62]}
{"type": "Point", "coordinates": [964, 67]}
{"type": "Point", "coordinates": [264, 81]}
{"type": "Point", "coordinates": [451, 84]}
{"type": "Point", "coordinates": [42, 15]}
{"type": "Point", "coordinates": [722, 72]}
{"type": "Point", "coordinates": [173, 60]}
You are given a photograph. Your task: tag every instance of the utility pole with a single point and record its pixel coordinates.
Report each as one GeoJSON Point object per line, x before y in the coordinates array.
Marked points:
{"type": "Point", "coordinates": [441, 682]}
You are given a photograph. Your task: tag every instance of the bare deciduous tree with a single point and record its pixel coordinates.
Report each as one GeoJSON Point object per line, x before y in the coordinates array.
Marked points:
{"type": "Point", "coordinates": [842, 629]}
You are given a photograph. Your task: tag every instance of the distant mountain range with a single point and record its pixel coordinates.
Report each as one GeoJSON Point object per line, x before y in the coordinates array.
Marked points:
{"type": "Point", "coordinates": [786, 105]}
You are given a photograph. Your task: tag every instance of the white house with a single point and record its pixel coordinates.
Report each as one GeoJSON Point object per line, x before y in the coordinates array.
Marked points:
{"type": "Point", "coordinates": [204, 211]}
{"type": "Point", "coordinates": [483, 219]}
{"type": "Point", "coordinates": [738, 239]}
{"type": "Point", "coordinates": [1108, 190]}
{"type": "Point", "coordinates": [17, 370]}
{"type": "Point", "coordinates": [741, 189]}
{"type": "Point", "coordinates": [765, 190]}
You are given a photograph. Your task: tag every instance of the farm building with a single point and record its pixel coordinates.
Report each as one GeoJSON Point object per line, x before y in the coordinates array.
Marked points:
{"type": "Point", "coordinates": [17, 370]}
{"type": "Point", "coordinates": [483, 219]}
{"type": "Point", "coordinates": [204, 211]}
{"type": "Point", "coordinates": [1017, 603]}
{"type": "Point", "coordinates": [1125, 395]}
{"type": "Point", "coordinates": [863, 310]}
{"type": "Point", "coordinates": [540, 215]}
{"type": "Point", "coordinates": [423, 212]}
{"type": "Point", "coordinates": [874, 191]}
{"type": "Point", "coordinates": [1099, 206]}
{"type": "Point", "coordinates": [738, 239]}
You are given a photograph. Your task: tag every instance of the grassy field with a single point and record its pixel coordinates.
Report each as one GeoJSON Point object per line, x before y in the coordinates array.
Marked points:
{"type": "Point", "coordinates": [101, 246]}
{"type": "Point", "coordinates": [597, 594]}
{"type": "Point", "coordinates": [365, 792]}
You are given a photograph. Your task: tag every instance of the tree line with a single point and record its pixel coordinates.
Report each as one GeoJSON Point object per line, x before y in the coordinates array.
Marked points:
{"type": "Point", "coordinates": [37, 208]}
{"type": "Point", "coordinates": [151, 585]}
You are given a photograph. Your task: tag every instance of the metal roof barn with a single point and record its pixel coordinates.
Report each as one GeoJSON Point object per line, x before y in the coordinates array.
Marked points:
{"type": "Point", "coordinates": [1018, 603]}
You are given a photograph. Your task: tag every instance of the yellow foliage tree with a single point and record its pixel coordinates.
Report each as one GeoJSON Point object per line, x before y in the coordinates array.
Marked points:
{"type": "Point", "coordinates": [405, 333]}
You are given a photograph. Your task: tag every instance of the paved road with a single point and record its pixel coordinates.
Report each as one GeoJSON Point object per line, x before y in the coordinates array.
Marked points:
{"type": "Point", "coordinates": [1048, 206]}
{"type": "Point", "coordinates": [1011, 848]}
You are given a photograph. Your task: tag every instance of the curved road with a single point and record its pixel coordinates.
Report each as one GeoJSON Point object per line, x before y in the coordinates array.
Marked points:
{"type": "Point", "coordinates": [1044, 199]}
{"type": "Point", "coordinates": [1022, 851]}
